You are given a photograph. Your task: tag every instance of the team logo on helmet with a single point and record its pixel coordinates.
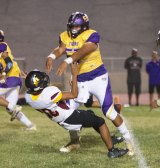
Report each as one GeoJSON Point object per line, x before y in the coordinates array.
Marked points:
{"type": "Point", "coordinates": [35, 80]}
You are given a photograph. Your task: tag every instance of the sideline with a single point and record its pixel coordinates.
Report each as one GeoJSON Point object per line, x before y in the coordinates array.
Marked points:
{"type": "Point", "coordinates": [139, 156]}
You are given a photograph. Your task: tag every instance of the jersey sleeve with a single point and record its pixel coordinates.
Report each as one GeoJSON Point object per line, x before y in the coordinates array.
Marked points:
{"type": "Point", "coordinates": [94, 38]}
{"type": "Point", "coordinates": [55, 94]}
{"type": "Point", "coordinates": [63, 37]}
{"type": "Point", "coordinates": [3, 47]}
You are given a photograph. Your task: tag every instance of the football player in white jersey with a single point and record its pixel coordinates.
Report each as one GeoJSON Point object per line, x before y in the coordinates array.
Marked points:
{"type": "Point", "coordinates": [53, 102]}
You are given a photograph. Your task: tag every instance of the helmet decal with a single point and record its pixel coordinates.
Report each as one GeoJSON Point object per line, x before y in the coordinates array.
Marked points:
{"type": "Point", "coordinates": [85, 17]}
{"type": "Point", "coordinates": [35, 80]}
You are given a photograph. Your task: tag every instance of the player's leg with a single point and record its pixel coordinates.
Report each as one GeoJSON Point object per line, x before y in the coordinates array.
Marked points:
{"type": "Point", "coordinates": [10, 106]}
{"type": "Point", "coordinates": [130, 92]}
{"type": "Point", "coordinates": [12, 98]}
{"type": "Point", "coordinates": [86, 119]}
{"type": "Point", "coordinates": [82, 97]}
{"type": "Point", "coordinates": [89, 119]}
{"type": "Point", "coordinates": [3, 102]}
{"type": "Point", "coordinates": [137, 91]}
{"type": "Point", "coordinates": [74, 142]}
{"type": "Point", "coordinates": [158, 91]}
{"type": "Point", "coordinates": [74, 135]}
{"type": "Point", "coordinates": [151, 91]}
{"type": "Point", "coordinates": [104, 95]}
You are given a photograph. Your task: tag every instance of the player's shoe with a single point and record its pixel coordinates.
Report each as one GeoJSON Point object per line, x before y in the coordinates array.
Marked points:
{"type": "Point", "coordinates": [116, 140]}
{"type": "Point", "coordinates": [31, 128]}
{"type": "Point", "coordinates": [15, 111]}
{"type": "Point", "coordinates": [116, 152]}
{"type": "Point", "coordinates": [69, 147]}
{"type": "Point", "coordinates": [130, 148]}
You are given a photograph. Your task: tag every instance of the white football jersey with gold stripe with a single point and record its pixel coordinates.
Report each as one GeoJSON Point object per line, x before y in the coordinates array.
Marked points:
{"type": "Point", "coordinates": [49, 102]}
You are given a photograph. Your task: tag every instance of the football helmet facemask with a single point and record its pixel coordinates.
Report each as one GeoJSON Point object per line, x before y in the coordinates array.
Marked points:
{"type": "Point", "coordinates": [77, 19]}
{"type": "Point", "coordinates": [36, 81]}
{"type": "Point", "coordinates": [1, 36]}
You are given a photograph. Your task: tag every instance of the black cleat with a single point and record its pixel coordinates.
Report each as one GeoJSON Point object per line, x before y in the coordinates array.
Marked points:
{"type": "Point", "coordinates": [115, 152]}
{"type": "Point", "coordinates": [116, 140]}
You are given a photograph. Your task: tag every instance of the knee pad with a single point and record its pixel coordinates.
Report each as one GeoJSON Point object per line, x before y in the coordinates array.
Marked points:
{"type": "Point", "coordinates": [111, 113]}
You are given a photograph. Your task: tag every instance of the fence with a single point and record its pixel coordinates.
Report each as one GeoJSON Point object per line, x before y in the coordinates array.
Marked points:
{"type": "Point", "coordinates": [115, 67]}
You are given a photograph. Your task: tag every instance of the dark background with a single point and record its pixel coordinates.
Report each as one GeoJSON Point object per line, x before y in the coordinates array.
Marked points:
{"type": "Point", "coordinates": [32, 27]}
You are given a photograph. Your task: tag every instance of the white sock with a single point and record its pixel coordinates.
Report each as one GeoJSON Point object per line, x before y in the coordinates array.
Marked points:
{"type": "Point", "coordinates": [10, 106]}
{"type": "Point", "coordinates": [125, 132]}
{"type": "Point", "coordinates": [23, 119]}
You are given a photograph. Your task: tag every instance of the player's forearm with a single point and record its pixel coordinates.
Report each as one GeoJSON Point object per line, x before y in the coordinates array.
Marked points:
{"type": "Point", "coordinates": [55, 54]}
{"type": "Point", "coordinates": [85, 50]}
{"type": "Point", "coordinates": [74, 88]}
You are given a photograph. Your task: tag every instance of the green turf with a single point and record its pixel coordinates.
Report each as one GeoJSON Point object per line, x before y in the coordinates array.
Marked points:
{"type": "Point", "coordinates": [40, 149]}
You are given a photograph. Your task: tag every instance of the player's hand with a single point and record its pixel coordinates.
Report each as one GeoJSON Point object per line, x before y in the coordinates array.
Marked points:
{"type": "Point", "coordinates": [61, 68]}
{"type": "Point", "coordinates": [2, 79]}
{"type": "Point", "coordinates": [49, 64]}
{"type": "Point", "coordinates": [74, 69]}
{"type": "Point", "coordinates": [153, 104]}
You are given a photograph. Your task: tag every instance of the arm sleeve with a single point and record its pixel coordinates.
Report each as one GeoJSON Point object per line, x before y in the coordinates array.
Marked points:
{"type": "Point", "coordinates": [94, 38]}
{"type": "Point", "coordinates": [9, 64]}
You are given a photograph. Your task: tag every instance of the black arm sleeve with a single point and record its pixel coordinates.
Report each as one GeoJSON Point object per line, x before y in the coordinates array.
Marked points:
{"type": "Point", "coordinates": [9, 64]}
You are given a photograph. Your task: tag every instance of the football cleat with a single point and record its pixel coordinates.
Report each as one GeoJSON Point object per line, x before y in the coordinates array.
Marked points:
{"type": "Point", "coordinates": [116, 140]}
{"type": "Point", "coordinates": [116, 152]}
{"type": "Point", "coordinates": [69, 147]}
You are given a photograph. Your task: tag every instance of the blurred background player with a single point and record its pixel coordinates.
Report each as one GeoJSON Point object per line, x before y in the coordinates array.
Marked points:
{"type": "Point", "coordinates": [156, 103]}
{"type": "Point", "coordinates": [81, 44]}
{"type": "Point", "coordinates": [52, 102]}
{"type": "Point", "coordinates": [133, 65]}
{"type": "Point", "coordinates": [153, 71]}
{"type": "Point", "coordinates": [10, 82]}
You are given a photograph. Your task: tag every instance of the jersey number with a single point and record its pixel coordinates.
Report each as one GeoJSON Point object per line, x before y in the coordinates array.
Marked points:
{"type": "Point", "coordinates": [50, 113]}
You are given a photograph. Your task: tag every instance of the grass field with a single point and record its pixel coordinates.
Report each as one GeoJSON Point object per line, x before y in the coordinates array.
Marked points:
{"type": "Point", "coordinates": [40, 149]}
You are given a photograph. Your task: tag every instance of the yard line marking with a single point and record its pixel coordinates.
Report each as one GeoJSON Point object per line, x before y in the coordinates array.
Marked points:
{"type": "Point", "coordinates": [141, 159]}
